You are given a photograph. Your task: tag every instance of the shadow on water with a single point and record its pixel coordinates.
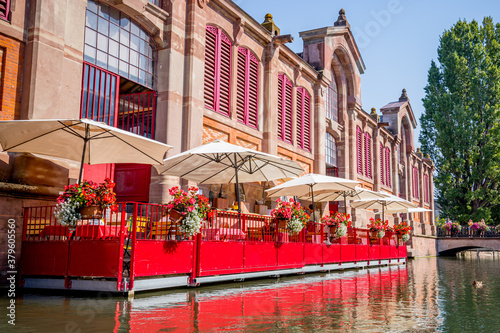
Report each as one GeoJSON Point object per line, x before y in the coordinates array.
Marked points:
{"type": "Point", "coordinates": [429, 294]}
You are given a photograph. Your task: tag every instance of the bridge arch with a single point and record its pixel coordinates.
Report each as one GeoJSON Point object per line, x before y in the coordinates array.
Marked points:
{"type": "Point", "coordinates": [450, 246]}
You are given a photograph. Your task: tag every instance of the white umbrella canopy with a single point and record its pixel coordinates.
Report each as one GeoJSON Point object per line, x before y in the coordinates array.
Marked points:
{"type": "Point", "coordinates": [306, 186]}
{"type": "Point", "coordinates": [390, 202]}
{"type": "Point", "coordinates": [409, 210]}
{"type": "Point", "coordinates": [81, 140]}
{"type": "Point", "coordinates": [219, 162]}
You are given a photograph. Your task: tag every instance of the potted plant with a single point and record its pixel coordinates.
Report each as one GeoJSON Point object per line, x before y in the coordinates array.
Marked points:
{"type": "Point", "coordinates": [478, 228]}
{"type": "Point", "coordinates": [188, 209]}
{"type": "Point", "coordinates": [85, 201]}
{"type": "Point", "coordinates": [338, 223]}
{"type": "Point", "coordinates": [378, 227]}
{"type": "Point", "coordinates": [290, 215]}
{"type": "Point", "coordinates": [452, 227]}
{"type": "Point", "coordinates": [402, 231]}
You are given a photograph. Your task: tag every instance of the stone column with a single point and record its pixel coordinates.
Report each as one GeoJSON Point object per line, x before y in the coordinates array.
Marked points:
{"type": "Point", "coordinates": [353, 171]}
{"type": "Point", "coordinates": [395, 174]}
{"type": "Point", "coordinates": [270, 119]}
{"type": "Point", "coordinates": [52, 79]}
{"type": "Point", "coordinates": [319, 142]}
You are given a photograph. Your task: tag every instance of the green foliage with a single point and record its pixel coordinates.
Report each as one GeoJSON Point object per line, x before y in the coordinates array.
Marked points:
{"type": "Point", "coordinates": [461, 123]}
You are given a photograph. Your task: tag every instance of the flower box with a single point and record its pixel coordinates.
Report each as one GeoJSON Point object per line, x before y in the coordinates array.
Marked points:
{"type": "Point", "coordinates": [91, 212]}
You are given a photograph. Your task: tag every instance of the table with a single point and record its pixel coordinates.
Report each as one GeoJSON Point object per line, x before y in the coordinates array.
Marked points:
{"type": "Point", "coordinates": [223, 234]}
{"type": "Point", "coordinates": [99, 231]}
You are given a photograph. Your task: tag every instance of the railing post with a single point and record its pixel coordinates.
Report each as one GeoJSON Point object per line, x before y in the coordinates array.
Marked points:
{"type": "Point", "coordinates": [132, 251]}
{"type": "Point", "coordinates": [119, 282]}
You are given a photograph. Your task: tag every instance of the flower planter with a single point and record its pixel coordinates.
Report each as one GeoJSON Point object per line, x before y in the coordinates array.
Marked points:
{"type": "Point", "coordinates": [91, 212]}
{"type": "Point", "coordinates": [176, 216]}
{"type": "Point", "coordinates": [282, 223]}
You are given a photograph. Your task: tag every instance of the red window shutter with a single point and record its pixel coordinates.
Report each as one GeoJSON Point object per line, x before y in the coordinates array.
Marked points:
{"type": "Point", "coordinates": [300, 117]}
{"type": "Point", "coordinates": [288, 111]}
{"type": "Point", "coordinates": [4, 9]}
{"type": "Point", "coordinates": [210, 64]}
{"type": "Point", "coordinates": [382, 170]}
{"type": "Point", "coordinates": [359, 150]}
{"type": "Point", "coordinates": [368, 156]}
{"type": "Point", "coordinates": [225, 75]}
{"type": "Point", "coordinates": [388, 166]}
{"type": "Point", "coordinates": [426, 188]}
{"type": "Point", "coordinates": [217, 77]}
{"type": "Point", "coordinates": [253, 88]}
{"type": "Point", "coordinates": [241, 84]}
{"type": "Point", "coordinates": [280, 107]}
{"type": "Point", "coordinates": [303, 119]}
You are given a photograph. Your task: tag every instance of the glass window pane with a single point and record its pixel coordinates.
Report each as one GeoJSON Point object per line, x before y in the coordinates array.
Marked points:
{"type": "Point", "coordinates": [150, 66]}
{"type": "Point", "coordinates": [90, 37]}
{"type": "Point", "coordinates": [114, 16]}
{"type": "Point", "coordinates": [114, 32]}
{"type": "Point", "coordinates": [135, 29]}
{"type": "Point", "coordinates": [102, 42]}
{"type": "Point", "coordinates": [124, 53]}
{"type": "Point", "coordinates": [91, 20]}
{"type": "Point", "coordinates": [103, 26]}
{"type": "Point", "coordinates": [113, 48]}
{"type": "Point", "coordinates": [89, 54]}
{"type": "Point", "coordinates": [104, 11]}
{"type": "Point", "coordinates": [134, 58]}
{"type": "Point", "coordinates": [142, 77]}
{"type": "Point", "coordinates": [102, 59]}
{"type": "Point", "coordinates": [92, 6]}
{"type": "Point", "coordinates": [149, 82]}
{"type": "Point", "coordinates": [123, 69]}
{"type": "Point", "coordinates": [143, 63]}
{"type": "Point", "coordinates": [143, 34]}
{"type": "Point", "coordinates": [113, 64]}
{"type": "Point", "coordinates": [124, 37]}
{"type": "Point", "coordinates": [125, 23]}
{"type": "Point", "coordinates": [134, 73]}
{"type": "Point", "coordinates": [134, 42]}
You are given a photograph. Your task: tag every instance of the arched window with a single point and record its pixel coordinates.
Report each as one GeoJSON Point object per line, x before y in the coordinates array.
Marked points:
{"type": "Point", "coordinates": [331, 156]}
{"type": "Point", "coordinates": [116, 43]}
{"type": "Point", "coordinates": [284, 108]}
{"type": "Point", "coordinates": [247, 88]}
{"type": "Point", "coordinates": [359, 151]}
{"type": "Point", "coordinates": [217, 70]}
{"type": "Point", "coordinates": [303, 119]}
{"type": "Point", "coordinates": [368, 155]}
{"type": "Point", "coordinates": [332, 100]}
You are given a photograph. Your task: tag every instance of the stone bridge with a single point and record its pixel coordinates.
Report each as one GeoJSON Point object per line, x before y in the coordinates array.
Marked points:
{"type": "Point", "coordinates": [450, 246]}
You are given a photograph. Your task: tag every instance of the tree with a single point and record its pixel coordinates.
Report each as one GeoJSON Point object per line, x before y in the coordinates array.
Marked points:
{"type": "Point", "coordinates": [461, 122]}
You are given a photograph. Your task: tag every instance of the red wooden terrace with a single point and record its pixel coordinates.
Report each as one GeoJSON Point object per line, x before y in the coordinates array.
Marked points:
{"type": "Point", "coordinates": [138, 249]}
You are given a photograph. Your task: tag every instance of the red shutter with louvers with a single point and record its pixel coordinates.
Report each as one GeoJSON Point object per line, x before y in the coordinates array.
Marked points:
{"type": "Point", "coordinates": [4, 9]}
{"type": "Point", "coordinates": [368, 156]}
{"type": "Point", "coordinates": [388, 166]}
{"type": "Point", "coordinates": [210, 67]}
{"type": "Point", "coordinates": [225, 74]}
{"type": "Point", "coordinates": [280, 107]}
{"type": "Point", "coordinates": [303, 119]}
{"type": "Point", "coordinates": [426, 188]}
{"type": "Point", "coordinates": [382, 170]}
{"type": "Point", "coordinates": [247, 88]}
{"type": "Point", "coordinates": [415, 180]}
{"type": "Point", "coordinates": [359, 150]}
{"type": "Point", "coordinates": [288, 111]}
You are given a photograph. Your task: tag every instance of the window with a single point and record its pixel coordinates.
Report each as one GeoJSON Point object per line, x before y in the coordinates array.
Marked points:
{"type": "Point", "coordinates": [359, 151]}
{"type": "Point", "coordinates": [426, 188]}
{"type": "Point", "coordinates": [382, 170]}
{"type": "Point", "coordinates": [284, 108]}
{"type": "Point", "coordinates": [99, 94]}
{"type": "Point", "coordinates": [388, 169]}
{"type": "Point", "coordinates": [303, 119]}
{"type": "Point", "coordinates": [368, 155]}
{"type": "Point", "coordinates": [4, 9]}
{"type": "Point", "coordinates": [247, 87]}
{"type": "Point", "coordinates": [116, 43]}
{"type": "Point", "coordinates": [415, 183]}
{"type": "Point", "coordinates": [217, 70]}
{"type": "Point", "coordinates": [332, 100]}
{"type": "Point", "coordinates": [331, 151]}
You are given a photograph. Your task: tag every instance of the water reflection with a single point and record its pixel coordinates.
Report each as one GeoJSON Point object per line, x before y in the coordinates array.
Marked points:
{"type": "Point", "coordinates": [427, 295]}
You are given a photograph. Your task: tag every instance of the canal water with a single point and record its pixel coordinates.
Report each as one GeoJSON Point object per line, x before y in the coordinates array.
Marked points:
{"type": "Point", "coordinates": [426, 295]}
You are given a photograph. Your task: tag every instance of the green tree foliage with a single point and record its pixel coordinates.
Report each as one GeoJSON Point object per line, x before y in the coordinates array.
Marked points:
{"type": "Point", "coordinates": [461, 122]}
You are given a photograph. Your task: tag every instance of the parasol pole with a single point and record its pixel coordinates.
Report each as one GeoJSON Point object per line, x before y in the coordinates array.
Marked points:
{"type": "Point", "coordinates": [85, 140]}
{"type": "Point", "coordinates": [237, 184]}
{"type": "Point", "coordinates": [345, 202]}
{"type": "Point", "coordinates": [314, 207]}
{"type": "Point", "coordinates": [383, 213]}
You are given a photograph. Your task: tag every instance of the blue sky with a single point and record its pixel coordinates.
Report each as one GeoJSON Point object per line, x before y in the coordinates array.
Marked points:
{"type": "Point", "coordinates": [397, 38]}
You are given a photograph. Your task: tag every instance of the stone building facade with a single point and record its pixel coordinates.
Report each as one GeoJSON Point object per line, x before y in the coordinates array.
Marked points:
{"type": "Point", "coordinates": [186, 72]}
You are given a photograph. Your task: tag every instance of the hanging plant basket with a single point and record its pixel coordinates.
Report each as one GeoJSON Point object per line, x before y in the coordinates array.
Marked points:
{"type": "Point", "coordinates": [282, 223]}
{"type": "Point", "coordinates": [176, 216]}
{"type": "Point", "coordinates": [91, 212]}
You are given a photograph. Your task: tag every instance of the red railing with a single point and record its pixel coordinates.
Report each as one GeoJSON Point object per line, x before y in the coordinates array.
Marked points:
{"type": "Point", "coordinates": [140, 240]}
